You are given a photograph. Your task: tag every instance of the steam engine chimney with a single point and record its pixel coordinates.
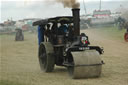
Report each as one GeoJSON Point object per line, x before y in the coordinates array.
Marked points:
{"type": "Point", "coordinates": [76, 21]}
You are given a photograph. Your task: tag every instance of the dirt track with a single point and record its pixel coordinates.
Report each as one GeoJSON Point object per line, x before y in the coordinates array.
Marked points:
{"type": "Point", "coordinates": [19, 62]}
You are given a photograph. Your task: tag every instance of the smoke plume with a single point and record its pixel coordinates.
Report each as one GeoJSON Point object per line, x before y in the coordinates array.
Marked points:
{"type": "Point", "coordinates": [69, 3]}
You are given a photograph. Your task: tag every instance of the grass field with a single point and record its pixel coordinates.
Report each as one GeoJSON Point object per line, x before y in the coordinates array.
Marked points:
{"type": "Point", "coordinates": [112, 32]}
{"type": "Point", "coordinates": [19, 61]}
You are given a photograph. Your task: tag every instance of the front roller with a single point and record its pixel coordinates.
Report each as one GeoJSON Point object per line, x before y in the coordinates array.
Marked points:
{"type": "Point", "coordinates": [46, 57]}
{"type": "Point", "coordinates": [87, 64]}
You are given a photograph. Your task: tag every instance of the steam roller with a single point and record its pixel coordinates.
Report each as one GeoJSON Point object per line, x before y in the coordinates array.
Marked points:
{"type": "Point", "coordinates": [69, 48]}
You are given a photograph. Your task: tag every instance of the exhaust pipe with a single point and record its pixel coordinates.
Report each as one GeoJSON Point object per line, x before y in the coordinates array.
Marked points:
{"type": "Point", "coordinates": [76, 21]}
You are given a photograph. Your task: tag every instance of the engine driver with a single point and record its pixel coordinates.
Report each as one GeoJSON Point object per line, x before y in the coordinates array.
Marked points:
{"type": "Point", "coordinates": [63, 28]}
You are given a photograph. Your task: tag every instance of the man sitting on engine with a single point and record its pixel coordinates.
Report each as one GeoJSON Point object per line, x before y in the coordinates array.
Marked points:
{"type": "Point", "coordinates": [62, 29]}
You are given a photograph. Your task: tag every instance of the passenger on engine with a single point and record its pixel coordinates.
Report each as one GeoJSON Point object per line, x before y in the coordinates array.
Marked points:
{"type": "Point", "coordinates": [63, 28]}
{"type": "Point", "coordinates": [48, 31]}
{"type": "Point", "coordinates": [71, 32]}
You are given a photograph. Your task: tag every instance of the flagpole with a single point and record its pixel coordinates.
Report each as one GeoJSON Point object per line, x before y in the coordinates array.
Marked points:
{"type": "Point", "coordinates": [100, 5]}
{"type": "Point", "coordinates": [84, 7]}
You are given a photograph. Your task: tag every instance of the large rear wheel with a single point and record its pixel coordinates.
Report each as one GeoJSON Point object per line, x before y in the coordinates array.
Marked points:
{"type": "Point", "coordinates": [46, 57]}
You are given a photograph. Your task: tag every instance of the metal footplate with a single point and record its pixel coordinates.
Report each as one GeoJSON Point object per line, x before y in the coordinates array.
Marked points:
{"type": "Point", "coordinates": [86, 64]}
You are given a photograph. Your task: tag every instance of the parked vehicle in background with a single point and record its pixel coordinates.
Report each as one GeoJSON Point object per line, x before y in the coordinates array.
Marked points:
{"type": "Point", "coordinates": [102, 17]}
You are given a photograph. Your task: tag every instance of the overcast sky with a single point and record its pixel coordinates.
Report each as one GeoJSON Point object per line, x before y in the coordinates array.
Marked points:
{"type": "Point", "coordinates": [20, 9]}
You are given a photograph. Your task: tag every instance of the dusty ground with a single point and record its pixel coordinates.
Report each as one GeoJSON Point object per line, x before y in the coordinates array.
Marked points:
{"type": "Point", "coordinates": [19, 62]}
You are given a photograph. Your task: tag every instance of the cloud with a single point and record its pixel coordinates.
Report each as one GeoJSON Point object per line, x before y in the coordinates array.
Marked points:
{"type": "Point", "coordinates": [40, 9]}
{"type": "Point", "coordinates": [17, 10]}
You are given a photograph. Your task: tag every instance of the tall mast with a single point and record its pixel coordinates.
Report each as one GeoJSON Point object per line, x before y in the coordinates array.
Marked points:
{"type": "Point", "coordinates": [84, 7]}
{"type": "Point", "coordinates": [100, 5]}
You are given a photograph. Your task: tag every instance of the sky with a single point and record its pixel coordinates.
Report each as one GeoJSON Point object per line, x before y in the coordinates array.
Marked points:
{"type": "Point", "coordinates": [20, 9]}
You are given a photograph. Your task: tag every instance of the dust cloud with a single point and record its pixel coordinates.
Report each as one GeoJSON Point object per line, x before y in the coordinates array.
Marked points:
{"type": "Point", "coordinates": [125, 14]}
{"type": "Point", "coordinates": [68, 3]}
